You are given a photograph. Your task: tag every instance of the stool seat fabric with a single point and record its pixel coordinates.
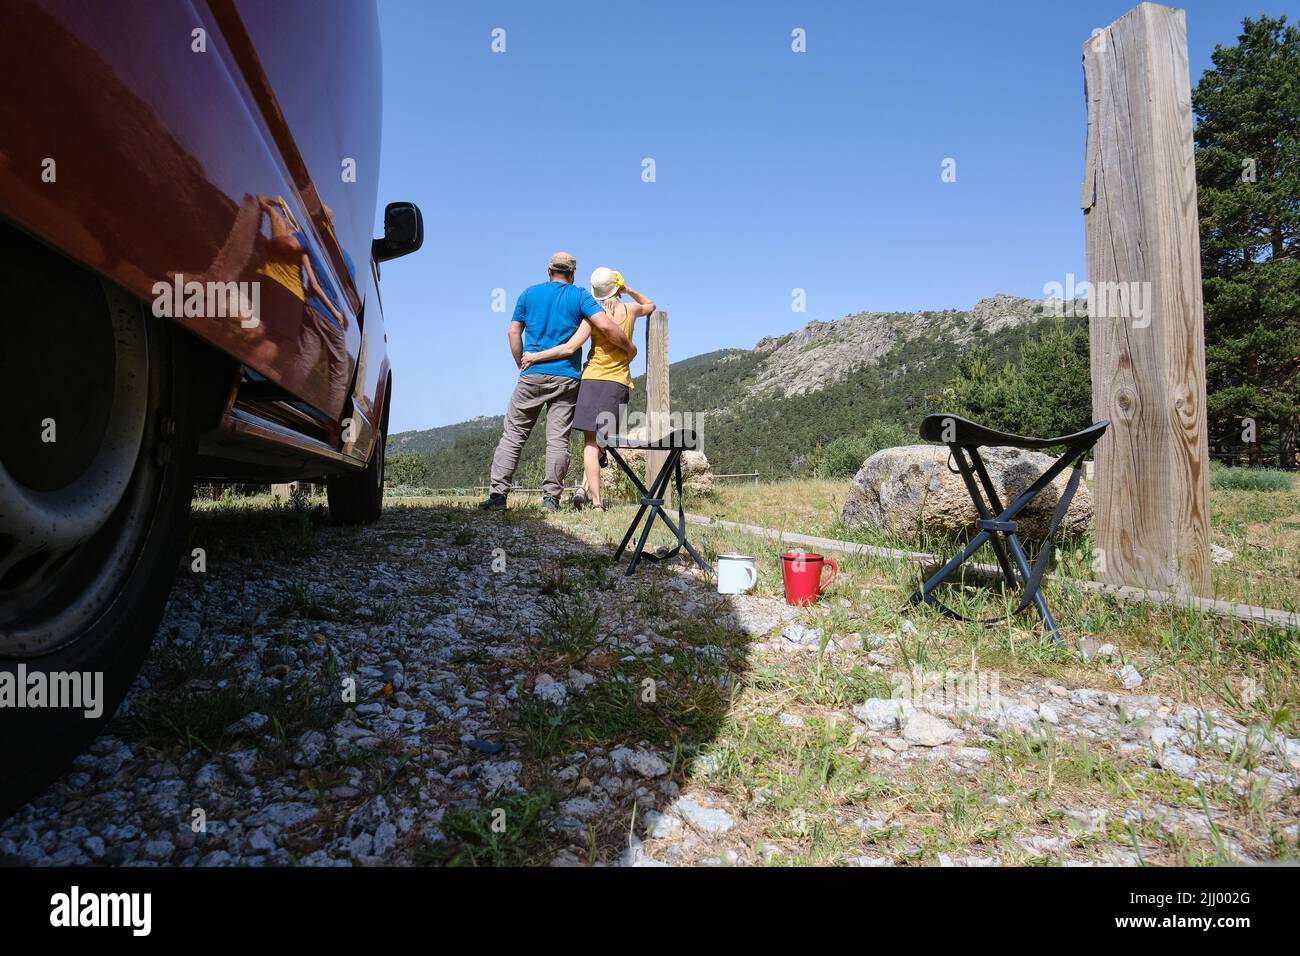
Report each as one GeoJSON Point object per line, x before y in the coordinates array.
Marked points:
{"type": "Point", "coordinates": [682, 438]}
{"type": "Point", "coordinates": [967, 433]}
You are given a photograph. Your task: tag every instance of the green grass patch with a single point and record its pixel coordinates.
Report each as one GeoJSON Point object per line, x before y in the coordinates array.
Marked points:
{"type": "Point", "coordinates": [191, 702]}
{"type": "Point", "coordinates": [507, 834]}
{"type": "Point", "coordinates": [1249, 479]}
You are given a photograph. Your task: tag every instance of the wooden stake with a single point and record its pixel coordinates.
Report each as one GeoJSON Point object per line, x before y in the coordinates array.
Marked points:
{"type": "Point", "coordinates": [1147, 328]}
{"type": "Point", "coordinates": [658, 401]}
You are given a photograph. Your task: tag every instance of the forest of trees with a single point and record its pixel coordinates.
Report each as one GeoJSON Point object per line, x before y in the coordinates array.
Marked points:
{"type": "Point", "coordinates": [1248, 179]}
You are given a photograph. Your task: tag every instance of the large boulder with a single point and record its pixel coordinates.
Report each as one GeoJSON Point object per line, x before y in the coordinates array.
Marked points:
{"type": "Point", "coordinates": [910, 489]}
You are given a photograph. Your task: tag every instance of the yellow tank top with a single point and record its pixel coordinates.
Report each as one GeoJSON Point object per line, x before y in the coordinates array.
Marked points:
{"type": "Point", "coordinates": [289, 276]}
{"type": "Point", "coordinates": [606, 362]}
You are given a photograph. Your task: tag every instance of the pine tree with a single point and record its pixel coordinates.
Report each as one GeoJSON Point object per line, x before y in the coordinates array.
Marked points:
{"type": "Point", "coordinates": [1248, 177]}
{"type": "Point", "coordinates": [1046, 391]}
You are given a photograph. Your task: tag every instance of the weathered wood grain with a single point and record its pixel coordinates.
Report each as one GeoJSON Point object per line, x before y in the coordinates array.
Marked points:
{"type": "Point", "coordinates": [658, 397]}
{"type": "Point", "coordinates": [1147, 327]}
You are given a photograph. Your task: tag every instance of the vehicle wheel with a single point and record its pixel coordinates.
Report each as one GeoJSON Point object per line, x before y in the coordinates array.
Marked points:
{"type": "Point", "coordinates": [359, 498]}
{"type": "Point", "coordinates": [96, 449]}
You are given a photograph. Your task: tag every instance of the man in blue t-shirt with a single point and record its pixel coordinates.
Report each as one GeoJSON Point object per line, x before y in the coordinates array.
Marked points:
{"type": "Point", "coordinates": [547, 315]}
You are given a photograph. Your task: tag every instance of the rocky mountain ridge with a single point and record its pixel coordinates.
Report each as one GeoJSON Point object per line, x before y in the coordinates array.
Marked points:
{"type": "Point", "coordinates": [822, 353]}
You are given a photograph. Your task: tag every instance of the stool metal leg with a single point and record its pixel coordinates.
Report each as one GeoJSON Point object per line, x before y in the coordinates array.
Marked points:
{"type": "Point", "coordinates": [1012, 540]}
{"type": "Point", "coordinates": [681, 538]}
{"type": "Point", "coordinates": [630, 530]}
{"type": "Point", "coordinates": [1040, 602]}
{"type": "Point", "coordinates": [636, 481]}
{"type": "Point", "coordinates": [680, 532]}
{"type": "Point", "coordinates": [640, 545]}
{"type": "Point", "coordinates": [950, 566]}
{"type": "Point", "coordinates": [996, 524]}
{"type": "Point", "coordinates": [653, 500]}
{"type": "Point", "coordinates": [995, 505]}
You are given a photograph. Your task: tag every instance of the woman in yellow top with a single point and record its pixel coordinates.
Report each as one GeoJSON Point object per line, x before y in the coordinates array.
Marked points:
{"type": "Point", "coordinates": [606, 376]}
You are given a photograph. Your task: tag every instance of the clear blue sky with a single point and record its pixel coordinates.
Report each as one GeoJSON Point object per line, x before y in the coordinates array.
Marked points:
{"type": "Point", "coordinates": [775, 170]}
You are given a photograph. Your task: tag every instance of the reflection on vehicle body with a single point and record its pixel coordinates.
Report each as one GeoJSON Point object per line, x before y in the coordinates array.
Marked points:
{"type": "Point", "coordinates": [300, 282]}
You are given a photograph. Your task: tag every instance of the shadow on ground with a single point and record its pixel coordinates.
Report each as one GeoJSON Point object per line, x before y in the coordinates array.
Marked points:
{"type": "Point", "coordinates": [442, 687]}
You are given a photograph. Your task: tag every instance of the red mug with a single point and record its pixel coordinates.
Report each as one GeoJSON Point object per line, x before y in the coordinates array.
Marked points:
{"type": "Point", "coordinates": [802, 572]}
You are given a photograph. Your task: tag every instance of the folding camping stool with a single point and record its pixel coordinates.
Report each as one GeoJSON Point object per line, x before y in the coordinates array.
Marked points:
{"type": "Point", "coordinates": [652, 498]}
{"type": "Point", "coordinates": [997, 524]}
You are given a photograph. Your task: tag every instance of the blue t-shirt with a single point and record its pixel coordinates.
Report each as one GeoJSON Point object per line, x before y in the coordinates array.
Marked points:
{"type": "Point", "coordinates": [551, 312]}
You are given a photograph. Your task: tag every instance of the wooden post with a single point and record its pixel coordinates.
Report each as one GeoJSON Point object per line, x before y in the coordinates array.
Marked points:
{"type": "Point", "coordinates": [658, 400]}
{"type": "Point", "coordinates": [1144, 302]}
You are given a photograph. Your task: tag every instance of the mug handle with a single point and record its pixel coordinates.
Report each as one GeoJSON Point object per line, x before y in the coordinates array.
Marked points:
{"type": "Point", "coordinates": [834, 571]}
{"type": "Point", "coordinates": [753, 576]}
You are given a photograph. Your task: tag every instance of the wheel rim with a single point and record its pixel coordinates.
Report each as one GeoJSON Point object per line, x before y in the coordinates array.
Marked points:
{"type": "Point", "coordinates": [52, 529]}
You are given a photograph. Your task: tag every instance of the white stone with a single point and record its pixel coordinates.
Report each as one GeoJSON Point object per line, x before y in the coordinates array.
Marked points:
{"type": "Point", "coordinates": [708, 819]}
{"type": "Point", "coordinates": [580, 807]}
{"type": "Point", "coordinates": [883, 713]}
{"type": "Point", "coordinates": [643, 762]}
{"type": "Point", "coordinates": [248, 724]}
{"type": "Point", "coordinates": [1162, 737]}
{"type": "Point", "coordinates": [281, 814]}
{"type": "Point", "coordinates": [1128, 676]}
{"type": "Point", "coordinates": [926, 730]}
{"type": "Point", "coordinates": [661, 825]}
{"type": "Point", "coordinates": [798, 634]}
{"type": "Point", "coordinates": [550, 690]}
{"type": "Point", "coordinates": [500, 776]}
{"type": "Point", "coordinates": [579, 681]}
{"type": "Point", "coordinates": [1175, 761]}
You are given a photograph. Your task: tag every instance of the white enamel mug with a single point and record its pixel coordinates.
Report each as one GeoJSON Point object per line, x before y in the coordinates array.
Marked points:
{"type": "Point", "coordinates": [736, 573]}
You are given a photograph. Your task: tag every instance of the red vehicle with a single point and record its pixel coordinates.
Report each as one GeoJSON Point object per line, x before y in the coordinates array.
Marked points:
{"type": "Point", "coordinates": [191, 289]}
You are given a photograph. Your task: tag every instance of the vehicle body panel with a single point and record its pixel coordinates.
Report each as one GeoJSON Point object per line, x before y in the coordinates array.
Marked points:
{"type": "Point", "coordinates": [134, 152]}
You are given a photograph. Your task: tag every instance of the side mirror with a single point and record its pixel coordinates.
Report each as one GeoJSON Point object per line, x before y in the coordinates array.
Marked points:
{"type": "Point", "coordinates": [403, 232]}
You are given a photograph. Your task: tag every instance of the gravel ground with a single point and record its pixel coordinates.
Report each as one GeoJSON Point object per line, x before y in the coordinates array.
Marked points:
{"type": "Point", "coordinates": [452, 687]}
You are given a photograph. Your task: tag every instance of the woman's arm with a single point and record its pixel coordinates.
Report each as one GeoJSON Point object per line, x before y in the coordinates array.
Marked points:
{"type": "Point", "coordinates": [614, 333]}
{"type": "Point", "coordinates": [320, 293]}
{"type": "Point", "coordinates": [644, 304]}
{"type": "Point", "coordinates": [283, 244]}
{"type": "Point", "coordinates": [563, 350]}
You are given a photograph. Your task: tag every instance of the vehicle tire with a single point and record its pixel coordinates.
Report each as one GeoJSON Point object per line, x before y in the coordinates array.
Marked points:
{"type": "Point", "coordinates": [358, 498]}
{"type": "Point", "coordinates": [91, 523]}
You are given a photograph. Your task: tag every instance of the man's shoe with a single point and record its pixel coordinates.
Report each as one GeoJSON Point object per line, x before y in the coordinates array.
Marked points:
{"type": "Point", "coordinates": [580, 501]}
{"type": "Point", "coordinates": [550, 503]}
{"type": "Point", "coordinates": [493, 502]}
